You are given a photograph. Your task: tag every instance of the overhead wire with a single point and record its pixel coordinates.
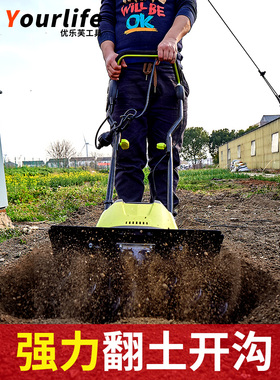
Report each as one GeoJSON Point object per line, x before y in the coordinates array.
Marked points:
{"type": "Point", "coordinates": [262, 73]}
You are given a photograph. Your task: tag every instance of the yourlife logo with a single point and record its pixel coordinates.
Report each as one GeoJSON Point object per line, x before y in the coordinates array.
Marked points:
{"type": "Point", "coordinates": [69, 19]}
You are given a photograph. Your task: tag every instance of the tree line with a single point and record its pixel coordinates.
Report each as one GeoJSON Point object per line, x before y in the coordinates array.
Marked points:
{"type": "Point", "coordinates": [197, 142]}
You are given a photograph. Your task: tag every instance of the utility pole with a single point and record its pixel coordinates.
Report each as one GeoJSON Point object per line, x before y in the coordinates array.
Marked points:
{"type": "Point", "coordinates": [5, 221]}
{"type": "Point", "coordinates": [3, 190]}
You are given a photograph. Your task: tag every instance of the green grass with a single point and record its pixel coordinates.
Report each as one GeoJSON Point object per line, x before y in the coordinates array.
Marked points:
{"type": "Point", "coordinates": [216, 179]}
{"type": "Point", "coordinates": [207, 179]}
{"type": "Point", "coordinates": [9, 234]}
{"type": "Point", "coordinates": [44, 194]}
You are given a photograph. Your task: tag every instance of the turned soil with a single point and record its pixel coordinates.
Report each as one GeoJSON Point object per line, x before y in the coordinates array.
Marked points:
{"type": "Point", "coordinates": [240, 285]}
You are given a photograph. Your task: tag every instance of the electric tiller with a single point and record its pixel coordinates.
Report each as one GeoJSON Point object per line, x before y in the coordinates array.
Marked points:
{"type": "Point", "coordinates": [139, 230]}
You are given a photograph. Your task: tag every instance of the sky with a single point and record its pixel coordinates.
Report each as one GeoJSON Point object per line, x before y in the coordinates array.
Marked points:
{"type": "Point", "coordinates": [54, 87]}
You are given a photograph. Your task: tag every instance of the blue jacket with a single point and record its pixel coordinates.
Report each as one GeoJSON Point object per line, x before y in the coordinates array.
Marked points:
{"type": "Point", "coordinates": [141, 25]}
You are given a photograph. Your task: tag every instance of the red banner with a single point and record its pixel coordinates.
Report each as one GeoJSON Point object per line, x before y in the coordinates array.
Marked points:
{"type": "Point", "coordinates": [139, 351]}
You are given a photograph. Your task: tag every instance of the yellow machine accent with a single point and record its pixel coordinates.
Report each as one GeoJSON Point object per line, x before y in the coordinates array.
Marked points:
{"type": "Point", "coordinates": [140, 215]}
{"type": "Point", "coordinates": [124, 144]}
{"type": "Point", "coordinates": [161, 146]}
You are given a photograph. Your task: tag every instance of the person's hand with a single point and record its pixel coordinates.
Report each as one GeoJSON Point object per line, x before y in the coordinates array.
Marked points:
{"type": "Point", "coordinates": [167, 50]}
{"type": "Point", "coordinates": [109, 55]}
{"type": "Point", "coordinates": [113, 69]}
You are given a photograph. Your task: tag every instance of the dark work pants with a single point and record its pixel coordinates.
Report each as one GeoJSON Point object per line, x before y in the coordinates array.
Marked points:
{"type": "Point", "coordinates": [144, 133]}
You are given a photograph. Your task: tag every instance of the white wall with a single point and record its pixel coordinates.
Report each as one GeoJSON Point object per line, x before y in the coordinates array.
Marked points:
{"type": "Point", "coordinates": [3, 191]}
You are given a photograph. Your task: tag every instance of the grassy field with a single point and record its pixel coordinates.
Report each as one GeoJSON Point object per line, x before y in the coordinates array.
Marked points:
{"type": "Point", "coordinates": [217, 179]}
{"type": "Point", "coordinates": [43, 194]}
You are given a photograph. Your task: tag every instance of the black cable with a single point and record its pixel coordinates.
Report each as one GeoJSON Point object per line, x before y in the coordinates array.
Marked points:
{"type": "Point", "coordinates": [125, 119]}
{"type": "Point", "coordinates": [97, 133]}
{"type": "Point", "coordinates": [148, 91]}
{"type": "Point", "coordinates": [262, 73]}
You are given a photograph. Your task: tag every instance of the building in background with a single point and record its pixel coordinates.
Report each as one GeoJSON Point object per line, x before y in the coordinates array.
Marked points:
{"type": "Point", "coordinates": [77, 162]}
{"type": "Point", "coordinates": [103, 163]}
{"type": "Point", "coordinates": [58, 163]}
{"type": "Point", "coordinates": [259, 149]}
{"type": "Point", "coordinates": [33, 164]}
{"type": "Point", "coordinates": [10, 164]}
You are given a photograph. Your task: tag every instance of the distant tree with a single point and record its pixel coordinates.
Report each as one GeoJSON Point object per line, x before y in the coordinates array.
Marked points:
{"type": "Point", "coordinates": [61, 149]}
{"type": "Point", "coordinates": [241, 132]}
{"type": "Point", "coordinates": [195, 144]}
{"type": "Point", "coordinates": [222, 136]}
{"type": "Point", "coordinates": [218, 138]}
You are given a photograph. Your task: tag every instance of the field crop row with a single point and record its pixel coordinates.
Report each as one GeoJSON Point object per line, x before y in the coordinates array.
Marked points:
{"type": "Point", "coordinates": [51, 195]}
{"type": "Point", "coordinates": [44, 194]}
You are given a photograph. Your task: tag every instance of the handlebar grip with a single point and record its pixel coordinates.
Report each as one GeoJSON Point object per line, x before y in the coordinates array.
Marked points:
{"type": "Point", "coordinates": [145, 54]}
{"type": "Point", "coordinates": [180, 92]}
{"type": "Point", "coordinates": [137, 53]}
